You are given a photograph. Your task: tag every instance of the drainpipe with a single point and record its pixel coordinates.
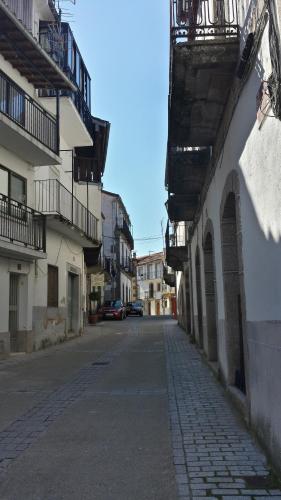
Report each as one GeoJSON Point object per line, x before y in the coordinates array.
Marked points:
{"type": "Point", "coordinates": [58, 119]}
{"type": "Point", "coordinates": [192, 333]}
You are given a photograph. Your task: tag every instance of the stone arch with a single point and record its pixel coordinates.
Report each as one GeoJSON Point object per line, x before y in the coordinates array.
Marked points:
{"type": "Point", "coordinates": [199, 297]}
{"type": "Point", "coordinates": [234, 295]}
{"type": "Point", "coordinates": [210, 292]}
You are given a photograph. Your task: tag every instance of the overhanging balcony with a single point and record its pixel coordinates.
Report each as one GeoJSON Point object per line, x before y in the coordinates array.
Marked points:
{"type": "Point", "coordinates": [23, 51]}
{"type": "Point", "coordinates": [125, 229]}
{"type": "Point", "coordinates": [182, 207]}
{"type": "Point", "coordinates": [169, 277]}
{"type": "Point", "coordinates": [176, 247]}
{"type": "Point", "coordinates": [22, 230]}
{"type": "Point", "coordinates": [128, 266]}
{"type": "Point", "coordinates": [25, 127]}
{"type": "Point", "coordinates": [65, 214]}
{"type": "Point", "coordinates": [89, 162]}
{"type": "Point", "coordinates": [186, 170]}
{"type": "Point", "coordinates": [204, 55]}
{"type": "Point", "coordinates": [185, 176]}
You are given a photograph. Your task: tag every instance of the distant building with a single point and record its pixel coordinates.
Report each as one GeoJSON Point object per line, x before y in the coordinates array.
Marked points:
{"type": "Point", "coordinates": [157, 296]}
{"type": "Point", "coordinates": [118, 245]}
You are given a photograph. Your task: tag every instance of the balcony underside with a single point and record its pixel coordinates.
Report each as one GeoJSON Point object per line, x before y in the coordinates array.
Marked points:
{"type": "Point", "coordinates": [22, 50]}
{"type": "Point", "coordinates": [202, 74]}
{"type": "Point", "coordinates": [18, 141]}
{"type": "Point", "coordinates": [92, 259]}
{"type": "Point", "coordinates": [73, 130]}
{"type": "Point", "coordinates": [186, 171]}
{"type": "Point", "coordinates": [176, 256]}
{"type": "Point", "coordinates": [182, 207]}
{"type": "Point", "coordinates": [61, 225]}
{"type": "Point", "coordinates": [170, 279]}
{"type": "Point", "coordinates": [19, 251]}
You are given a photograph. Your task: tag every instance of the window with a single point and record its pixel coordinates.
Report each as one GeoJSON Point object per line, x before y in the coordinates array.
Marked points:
{"type": "Point", "coordinates": [12, 185]}
{"type": "Point", "coordinates": [53, 286]}
{"type": "Point", "coordinates": [158, 287]}
{"type": "Point", "coordinates": [12, 101]}
{"type": "Point", "coordinates": [151, 290]}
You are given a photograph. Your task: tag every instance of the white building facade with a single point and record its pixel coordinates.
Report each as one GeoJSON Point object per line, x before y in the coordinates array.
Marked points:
{"type": "Point", "coordinates": [118, 245]}
{"type": "Point", "coordinates": [50, 195]}
{"type": "Point", "coordinates": [223, 179]}
{"type": "Point", "coordinates": [157, 296]}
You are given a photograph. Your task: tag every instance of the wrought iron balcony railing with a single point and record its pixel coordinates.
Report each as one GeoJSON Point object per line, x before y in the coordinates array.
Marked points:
{"type": "Point", "coordinates": [21, 224]}
{"type": "Point", "coordinates": [27, 113]}
{"type": "Point", "coordinates": [199, 19]}
{"type": "Point", "coordinates": [51, 197]}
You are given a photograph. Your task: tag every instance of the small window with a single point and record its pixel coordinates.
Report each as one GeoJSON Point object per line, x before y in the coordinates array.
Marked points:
{"type": "Point", "coordinates": [53, 286]}
{"type": "Point", "coordinates": [17, 188]}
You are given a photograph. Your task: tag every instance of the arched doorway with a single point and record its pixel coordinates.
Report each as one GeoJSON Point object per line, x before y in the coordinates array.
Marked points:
{"type": "Point", "coordinates": [232, 294]}
{"type": "Point", "coordinates": [210, 296]}
{"type": "Point", "coordinates": [199, 298]}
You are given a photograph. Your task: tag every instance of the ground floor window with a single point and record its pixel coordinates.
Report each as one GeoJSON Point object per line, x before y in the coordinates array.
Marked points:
{"type": "Point", "coordinates": [53, 286]}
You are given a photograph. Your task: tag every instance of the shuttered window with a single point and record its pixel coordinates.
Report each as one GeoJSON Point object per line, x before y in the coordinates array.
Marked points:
{"type": "Point", "coordinates": [53, 286]}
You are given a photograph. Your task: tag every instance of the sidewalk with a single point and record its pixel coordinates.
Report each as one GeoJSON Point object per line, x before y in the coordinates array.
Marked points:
{"type": "Point", "coordinates": [214, 454]}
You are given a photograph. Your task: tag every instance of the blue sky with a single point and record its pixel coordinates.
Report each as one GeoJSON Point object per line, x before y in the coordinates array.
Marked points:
{"type": "Point", "coordinates": [125, 45]}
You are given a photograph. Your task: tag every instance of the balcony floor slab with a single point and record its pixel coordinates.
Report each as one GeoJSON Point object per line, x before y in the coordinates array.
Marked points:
{"type": "Point", "coordinates": [19, 252]}
{"type": "Point", "coordinates": [18, 141]}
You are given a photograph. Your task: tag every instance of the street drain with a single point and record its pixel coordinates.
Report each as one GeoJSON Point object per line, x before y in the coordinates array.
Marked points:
{"type": "Point", "coordinates": [100, 363]}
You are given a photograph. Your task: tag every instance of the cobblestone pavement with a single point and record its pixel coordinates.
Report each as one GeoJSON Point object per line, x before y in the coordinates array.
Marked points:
{"type": "Point", "coordinates": [26, 429]}
{"type": "Point", "coordinates": [215, 456]}
{"type": "Point", "coordinates": [96, 422]}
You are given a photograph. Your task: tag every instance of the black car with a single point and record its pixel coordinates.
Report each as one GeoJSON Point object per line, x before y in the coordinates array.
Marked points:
{"type": "Point", "coordinates": [134, 308]}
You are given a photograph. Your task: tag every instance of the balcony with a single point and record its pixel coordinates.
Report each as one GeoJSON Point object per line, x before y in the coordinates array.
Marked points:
{"type": "Point", "coordinates": [22, 230]}
{"type": "Point", "coordinates": [25, 126]}
{"type": "Point", "coordinates": [169, 277]}
{"type": "Point", "coordinates": [65, 214]}
{"type": "Point", "coordinates": [185, 176]}
{"type": "Point", "coordinates": [23, 51]}
{"type": "Point", "coordinates": [204, 55]}
{"type": "Point", "coordinates": [176, 246]}
{"type": "Point", "coordinates": [125, 229]}
{"type": "Point", "coordinates": [93, 259]}
{"type": "Point", "coordinates": [89, 162]}
{"type": "Point", "coordinates": [62, 48]}
{"type": "Point", "coordinates": [127, 266]}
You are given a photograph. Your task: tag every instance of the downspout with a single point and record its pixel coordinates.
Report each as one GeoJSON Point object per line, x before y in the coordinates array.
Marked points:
{"type": "Point", "coordinates": [192, 333]}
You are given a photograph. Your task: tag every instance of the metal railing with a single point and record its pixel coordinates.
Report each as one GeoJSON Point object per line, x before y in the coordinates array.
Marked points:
{"type": "Point", "coordinates": [51, 197]}
{"type": "Point", "coordinates": [176, 235]}
{"type": "Point", "coordinates": [21, 224]}
{"type": "Point", "coordinates": [22, 10]}
{"type": "Point", "coordinates": [127, 265]}
{"type": "Point", "coordinates": [126, 230]}
{"type": "Point", "coordinates": [27, 113]}
{"type": "Point", "coordinates": [200, 19]}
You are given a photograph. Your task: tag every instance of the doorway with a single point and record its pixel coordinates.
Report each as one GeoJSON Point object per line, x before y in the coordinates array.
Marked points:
{"type": "Point", "coordinates": [157, 308]}
{"type": "Point", "coordinates": [210, 294]}
{"type": "Point", "coordinates": [73, 302]}
{"type": "Point", "coordinates": [232, 295]}
{"type": "Point", "coordinates": [199, 299]}
{"type": "Point", "coordinates": [14, 310]}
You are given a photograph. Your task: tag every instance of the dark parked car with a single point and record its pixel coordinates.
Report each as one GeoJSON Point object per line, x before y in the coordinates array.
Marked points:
{"type": "Point", "coordinates": [134, 308]}
{"type": "Point", "coordinates": [113, 309]}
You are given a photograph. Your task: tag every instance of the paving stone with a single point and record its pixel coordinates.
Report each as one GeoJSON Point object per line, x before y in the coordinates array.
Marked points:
{"type": "Point", "coordinates": [219, 450]}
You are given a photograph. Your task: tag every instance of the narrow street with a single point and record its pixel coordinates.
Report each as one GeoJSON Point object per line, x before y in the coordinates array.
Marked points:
{"type": "Point", "coordinates": [129, 411]}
